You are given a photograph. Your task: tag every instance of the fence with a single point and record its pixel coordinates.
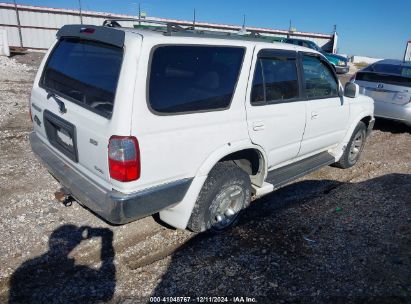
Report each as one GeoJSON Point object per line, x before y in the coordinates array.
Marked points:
{"type": "Point", "coordinates": [35, 27]}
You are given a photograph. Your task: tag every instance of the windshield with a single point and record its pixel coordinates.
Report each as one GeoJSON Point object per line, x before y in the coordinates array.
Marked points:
{"type": "Point", "coordinates": [314, 46]}
{"type": "Point", "coordinates": [85, 72]}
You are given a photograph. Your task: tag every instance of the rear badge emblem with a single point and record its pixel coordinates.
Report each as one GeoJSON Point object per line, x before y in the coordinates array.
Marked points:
{"type": "Point", "coordinates": [380, 86]}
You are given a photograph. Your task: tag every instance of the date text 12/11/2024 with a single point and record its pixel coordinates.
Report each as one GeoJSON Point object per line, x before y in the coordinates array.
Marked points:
{"type": "Point", "coordinates": [203, 300]}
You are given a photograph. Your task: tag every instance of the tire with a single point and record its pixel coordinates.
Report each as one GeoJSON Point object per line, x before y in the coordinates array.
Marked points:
{"type": "Point", "coordinates": [354, 148]}
{"type": "Point", "coordinates": [226, 191]}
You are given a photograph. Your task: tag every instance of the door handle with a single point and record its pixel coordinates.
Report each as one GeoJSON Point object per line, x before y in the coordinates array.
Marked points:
{"type": "Point", "coordinates": [258, 125]}
{"type": "Point", "coordinates": [314, 115]}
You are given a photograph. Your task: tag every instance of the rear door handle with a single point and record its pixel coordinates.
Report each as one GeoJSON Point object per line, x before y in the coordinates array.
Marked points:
{"type": "Point", "coordinates": [314, 115]}
{"type": "Point", "coordinates": [258, 125]}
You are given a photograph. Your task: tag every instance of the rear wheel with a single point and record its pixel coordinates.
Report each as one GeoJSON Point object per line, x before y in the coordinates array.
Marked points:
{"type": "Point", "coordinates": [225, 193]}
{"type": "Point", "coordinates": [354, 148]}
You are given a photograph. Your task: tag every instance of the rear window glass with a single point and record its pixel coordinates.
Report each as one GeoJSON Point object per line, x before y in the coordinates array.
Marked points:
{"type": "Point", "coordinates": [193, 78]}
{"type": "Point", "coordinates": [85, 72]}
{"type": "Point", "coordinates": [384, 78]}
{"type": "Point", "coordinates": [390, 69]}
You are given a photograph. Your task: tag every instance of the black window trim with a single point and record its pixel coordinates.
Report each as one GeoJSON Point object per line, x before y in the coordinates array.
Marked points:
{"type": "Point", "coordinates": [278, 53]}
{"type": "Point", "coordinates": [71, 99]}
{"type": "Point", "coordinates": [330, 68]}
{"type": "Point", "coordinates": [150, 60]}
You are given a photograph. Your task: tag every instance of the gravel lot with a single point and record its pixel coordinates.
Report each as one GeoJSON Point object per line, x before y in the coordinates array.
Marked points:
{"type": "Point", "coordinates": [340, 236]}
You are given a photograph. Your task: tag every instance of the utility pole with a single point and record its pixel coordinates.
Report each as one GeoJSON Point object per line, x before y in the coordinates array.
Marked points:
{"type": "Point", "coordinates": [81, 13]}
{"type": "Point", "coordinates": [289, 30]}
{"type": "Point", "coordinates": [139, 14]}
{"type": "Point", "coordinates": [194, 19]}
{"type": "Point", "coordinates": [18, 23]}
{"type": "Point", "coordinates": [243, 30]}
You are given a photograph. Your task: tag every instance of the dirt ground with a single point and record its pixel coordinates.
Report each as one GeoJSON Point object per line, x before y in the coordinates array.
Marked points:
{"type": "Point", "coordinates": [335, 236]}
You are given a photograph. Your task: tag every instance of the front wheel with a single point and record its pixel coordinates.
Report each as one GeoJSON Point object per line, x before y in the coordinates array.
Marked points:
{"type": "Point", "coordinates": [225, 193]}
{"type": "Point", "coordinates": [354, 148]}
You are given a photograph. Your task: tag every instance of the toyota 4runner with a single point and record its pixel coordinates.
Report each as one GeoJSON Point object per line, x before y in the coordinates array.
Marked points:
{"type": "Point", "coordinates": [189, 124]}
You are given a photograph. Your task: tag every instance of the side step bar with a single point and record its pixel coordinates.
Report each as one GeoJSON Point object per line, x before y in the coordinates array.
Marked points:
{"type": "Point", "coordinates": [281, 176]}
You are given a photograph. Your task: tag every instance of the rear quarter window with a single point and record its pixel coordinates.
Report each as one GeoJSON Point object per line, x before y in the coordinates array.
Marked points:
{"type": "Point", "coordinates": [85, 72]}
{"type": "Point", "coordinates": [193, 78]}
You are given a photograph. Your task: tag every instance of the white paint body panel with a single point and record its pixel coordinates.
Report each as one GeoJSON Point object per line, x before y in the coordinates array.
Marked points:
{"type": "Point", "coordinates": [279, 127]}
{"type": "Point", "coordinates": [93, 161]}
{"type": "Point", "coordinates": [326, 124]}
{"type": "Point", "coordinates": [174, 147]}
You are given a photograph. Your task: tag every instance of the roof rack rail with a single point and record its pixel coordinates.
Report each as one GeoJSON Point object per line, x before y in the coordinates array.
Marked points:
{"type": "Point", "coordinates": [194, 29]}
{"type": "Point", "coordinates": [171, 26]}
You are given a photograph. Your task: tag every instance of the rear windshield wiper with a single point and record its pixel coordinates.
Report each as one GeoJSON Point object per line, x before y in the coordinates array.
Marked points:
{"type": "Point", "coordinates": [62, 106]}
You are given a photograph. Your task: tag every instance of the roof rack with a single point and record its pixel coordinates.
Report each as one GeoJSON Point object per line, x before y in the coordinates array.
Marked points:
{"type": "Point", "coordinates": [195, 30]}
{"type": "Point", "coordinates": [171, 26]}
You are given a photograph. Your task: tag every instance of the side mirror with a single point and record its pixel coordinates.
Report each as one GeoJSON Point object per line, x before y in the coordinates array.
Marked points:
{"type": "Point", "coordinates": [351, 90]}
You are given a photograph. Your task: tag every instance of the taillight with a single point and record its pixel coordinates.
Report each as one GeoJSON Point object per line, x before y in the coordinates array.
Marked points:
{"type": "Point", "coordinates": [87, 30]}
{"type": "Point", "coordinates": [124, 158]}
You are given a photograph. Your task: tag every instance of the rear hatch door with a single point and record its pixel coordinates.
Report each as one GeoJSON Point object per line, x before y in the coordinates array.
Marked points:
{"type": "Point", "coordinates": [388, 88]}
{"type": "Point", "coordinates": [75, 97]}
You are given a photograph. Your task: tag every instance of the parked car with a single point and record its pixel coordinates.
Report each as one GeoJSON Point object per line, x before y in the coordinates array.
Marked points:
{"type": "Point", "coordinates": [339, 63]}
{"type": "Point", "coordinates": [134, 122]}
{"type": "Point", "coordinates": [388, 82]}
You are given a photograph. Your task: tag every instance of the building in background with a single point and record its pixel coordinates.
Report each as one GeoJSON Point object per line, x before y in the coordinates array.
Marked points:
{"type": "Point", "coordinates": [35, 27]}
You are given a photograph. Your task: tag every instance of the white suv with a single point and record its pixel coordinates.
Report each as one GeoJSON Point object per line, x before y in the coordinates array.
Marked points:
{"type": "Point", "coordinates": [191, 125]}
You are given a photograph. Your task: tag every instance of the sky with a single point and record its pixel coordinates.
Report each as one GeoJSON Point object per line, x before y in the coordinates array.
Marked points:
{"type": "Point", "coordinates": [375, 28]}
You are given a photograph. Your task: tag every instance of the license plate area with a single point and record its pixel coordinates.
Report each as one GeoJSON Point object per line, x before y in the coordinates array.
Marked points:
{"type": "Point", "coordinates": [61, 135]}
{"type": "Point", "coordinates": [381, 95]}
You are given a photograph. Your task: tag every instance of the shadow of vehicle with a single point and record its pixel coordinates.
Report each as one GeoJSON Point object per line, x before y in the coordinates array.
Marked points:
{"type": "Point", "coordinates": [391, 126]}
{"type": "Point", "coordinates": [55, 278]}
{"type": "Point", "coordinates": [314, 241]}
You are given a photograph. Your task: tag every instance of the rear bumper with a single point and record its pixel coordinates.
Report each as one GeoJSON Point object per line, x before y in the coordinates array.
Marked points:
{"type": "Point", "coordinates": [115, 207]}
{"type": "Point", "coordinates": [393, 111]}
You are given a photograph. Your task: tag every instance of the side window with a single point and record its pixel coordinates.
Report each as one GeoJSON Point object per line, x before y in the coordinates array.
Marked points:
{"type": "Point", "coordinates": [319, 80]}
{"type": "Point", "coordinates": [187, 78]}
{"type": "Point", "coordinates": [275, 80]}
{"type": "Point", "coordinates": [257, 92]}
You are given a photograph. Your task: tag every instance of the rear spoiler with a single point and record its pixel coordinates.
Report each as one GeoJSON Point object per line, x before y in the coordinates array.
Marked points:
{"type": "Point", "coordinates": [91, 32]}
